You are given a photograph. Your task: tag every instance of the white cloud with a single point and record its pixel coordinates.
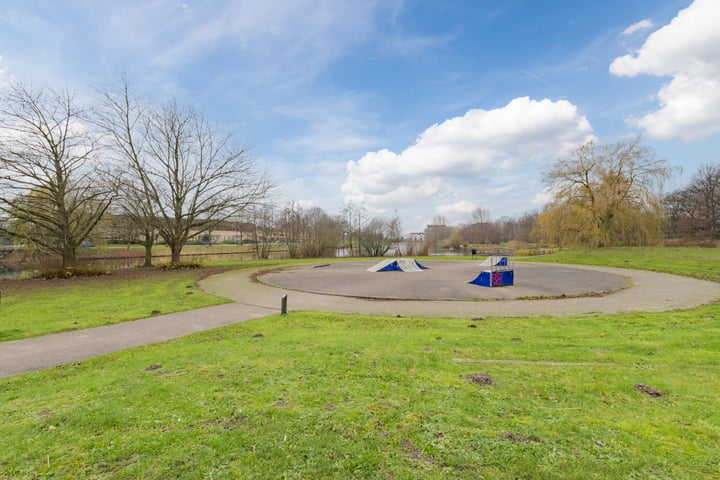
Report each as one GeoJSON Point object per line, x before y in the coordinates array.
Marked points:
{"type": "Point", "coordinates": [501, 189]}
{"type": "Point", "coordinates": [467, 156]}
{"type": "Point", "coordinates": [456, 212]}
{"type": "Point", "coordinates": [690, 109]}
{"type": "Point", "coordinates": [687, 49]}
{"type": "Point", "coordinates": [300, 36]}
{"type": "Point", "coordinates": [636, 27]}
{"type": "Point", "coordinates": [543, 197]}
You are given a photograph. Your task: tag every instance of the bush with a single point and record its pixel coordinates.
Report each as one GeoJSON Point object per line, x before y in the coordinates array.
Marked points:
{"type": "Point", "coordinates": [526, 252]}
{"type": "Point", "coordinates": [191, 262]}
{"type": "Point", "coordinates": [48, 272]}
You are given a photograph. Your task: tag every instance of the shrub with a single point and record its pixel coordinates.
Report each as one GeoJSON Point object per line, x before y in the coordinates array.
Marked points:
{"type": "Point", "coordinates": [85, 270]}
{"type": "Point", "coordinates": [191, 262]}
{"type": "Point", "coordinates": [526, 252]}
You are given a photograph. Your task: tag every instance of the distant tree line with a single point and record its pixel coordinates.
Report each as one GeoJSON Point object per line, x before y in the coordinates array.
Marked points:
{"type": "Point", "coordinates": [312, 232]}
{"type": "Point", "coordinates": [168, 173]}
{"type": "Point", "coordinates": [608, 195]}
{"type": "Point", "coordinates": [694, 211]}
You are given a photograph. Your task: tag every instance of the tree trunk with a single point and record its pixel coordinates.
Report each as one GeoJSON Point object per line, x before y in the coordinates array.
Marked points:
{"type": "Point", "coordinates": [148, 255]}
{"type": "Point", "coordinates": [175, 249]}
{"type": "Point", "coordinates": [68, 257]}
{"type": "Point", "coordinates": [148, 243]}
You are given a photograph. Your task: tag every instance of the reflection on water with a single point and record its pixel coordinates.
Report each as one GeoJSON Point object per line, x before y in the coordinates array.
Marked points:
{"type": "Point", "coordinates": [6, 273]}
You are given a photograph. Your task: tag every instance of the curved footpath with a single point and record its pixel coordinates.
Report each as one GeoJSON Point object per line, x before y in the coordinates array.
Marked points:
{"type": "Point", "coordinates": [649, 292]}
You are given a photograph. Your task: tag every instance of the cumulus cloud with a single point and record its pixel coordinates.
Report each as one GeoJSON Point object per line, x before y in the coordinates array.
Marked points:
{"type": "Point", "coordinates": [543, 197]}
{"type": "Point", "coordinates": [478, 148]}
{"type": "Point", "coordinates": [688, 50]}
{"type": "Point", "coordinates": [456, 212]}
{"type": "Point", "coordinates": [637, 26]}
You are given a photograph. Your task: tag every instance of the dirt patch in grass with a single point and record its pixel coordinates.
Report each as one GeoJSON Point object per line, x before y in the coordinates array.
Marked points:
{"type": "Point", "coordinates": [415, 453]}
{"type": "Point", "coordinates": [514, 437]}
{"type": "Point", "coordinates": [480, 378]}
{"type": "Point", "coordinates": [653, 392]}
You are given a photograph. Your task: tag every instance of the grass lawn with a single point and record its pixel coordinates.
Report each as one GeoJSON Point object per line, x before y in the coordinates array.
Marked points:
{"type": "Point", "coordinates": [89, 302]}
{"type": "Point", "coordinates": [695, 262]}
{"type": "Point", "coordinates": [322, 396]}
{"type": "Point", "coordinates": [29, 308]}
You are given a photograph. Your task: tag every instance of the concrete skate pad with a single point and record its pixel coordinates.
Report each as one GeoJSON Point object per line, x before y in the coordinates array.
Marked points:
{"type": "Point", "coordinates": [644, 291]}
{"type": "Point", "coordinates": [443, 280]}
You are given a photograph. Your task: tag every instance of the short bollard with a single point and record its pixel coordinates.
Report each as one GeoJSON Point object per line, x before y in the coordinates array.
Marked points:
{"type": "Point", "coordinates": [283, 305]}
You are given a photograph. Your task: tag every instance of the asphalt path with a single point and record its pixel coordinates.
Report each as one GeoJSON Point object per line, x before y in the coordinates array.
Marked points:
{"type": "Point", "coordinates": [443, 292]}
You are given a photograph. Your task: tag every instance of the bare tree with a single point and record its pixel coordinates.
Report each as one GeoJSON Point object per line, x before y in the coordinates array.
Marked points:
{"type": "Point", "coordinates": [191, 174]}
{"type": "Point", "coordinates": [322, 233]}
{"type": "Point", "coordinates": [197, 178]}
{"type": "Point", "coordinates": [52, 191]}
{"type": "Point", "coordinates": [481, 215]}
{"type": "Point", "coordinates": [121, 117]}
{"type": "Point", "coordinates": [695, 209]}
{"type": "Point", "coordinates": [380, 235]}
{"type": "Point", "coordinates": [262, 218]}
{"type": "Point", "coordinates": [137, 208]}
{"type": "Point", "coordinates": [354, 218]}
{"type": "Point", "coordinates": [481, 230]}
{"type": "Point", "coordinates": [290, 223]}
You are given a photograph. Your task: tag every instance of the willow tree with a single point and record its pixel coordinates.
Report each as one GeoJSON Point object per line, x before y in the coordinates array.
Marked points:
{"type": "Point", "coordinates": [52, 191]}
{"type": "Point", "coordinates": [605, 195]}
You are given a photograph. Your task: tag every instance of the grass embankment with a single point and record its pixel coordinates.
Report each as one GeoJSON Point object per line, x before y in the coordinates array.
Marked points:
{"type": "Point", "coordinates": [87, 303]}
{"type": "Point", "coordinates": [312, 395]}
{"type": "Point", "coordinates": [698, 262]}
{"type": "Point", "coordinates": [30, 308]}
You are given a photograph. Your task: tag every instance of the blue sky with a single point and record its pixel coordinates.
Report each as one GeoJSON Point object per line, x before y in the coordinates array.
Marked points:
{"type": "Point", "coordinates": [418, 107]}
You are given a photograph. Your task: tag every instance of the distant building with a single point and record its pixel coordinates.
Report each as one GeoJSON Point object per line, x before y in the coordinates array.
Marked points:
{"type": "Point", "coordinates": [436, 233]}
{"type": "Point", "coordinates": [415, 237]}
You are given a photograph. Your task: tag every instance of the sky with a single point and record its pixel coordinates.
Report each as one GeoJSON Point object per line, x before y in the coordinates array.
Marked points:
{"type": "Point", "coordinates": [420, 108]}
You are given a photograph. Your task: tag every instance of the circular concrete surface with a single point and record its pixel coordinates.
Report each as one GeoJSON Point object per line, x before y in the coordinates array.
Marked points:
{"type": "Point", "coordinates": [442, 280]}
{"type": "Point", "coordinates": [645, 291]}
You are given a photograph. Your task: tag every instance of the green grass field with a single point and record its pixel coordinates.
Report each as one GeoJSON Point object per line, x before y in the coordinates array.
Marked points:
{"type": "Point", "coordinates": [325, 396]}
{"type": "Point", "coordinates": [55, 306]}
{"type": "Point", "coordinates": [695, 262]}
{"type": "Point", "coordinates": [97, 302]}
